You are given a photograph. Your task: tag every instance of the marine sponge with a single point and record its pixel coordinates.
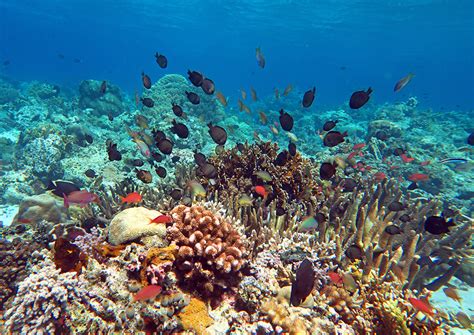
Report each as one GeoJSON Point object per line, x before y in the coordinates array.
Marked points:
{"type": "Point", "coordinates": [211, 253]}
{"type": "Point", "coordinates": [195, 316]}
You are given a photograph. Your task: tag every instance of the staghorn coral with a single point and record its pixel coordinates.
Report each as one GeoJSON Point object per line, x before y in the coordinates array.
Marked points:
{"type": "Point", "coordinates": [211, 253]}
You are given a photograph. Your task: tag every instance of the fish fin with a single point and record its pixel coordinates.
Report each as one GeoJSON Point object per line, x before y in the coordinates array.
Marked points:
{"type": "Point", "coordinates": [369, 90]}
{"type": "Point", "coordinates": [66, 201]}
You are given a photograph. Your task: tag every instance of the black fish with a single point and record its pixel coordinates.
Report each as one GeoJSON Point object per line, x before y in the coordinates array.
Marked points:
{"type": "Point", "coordinates": [303, 284]}
{"type": "Point", "coordinates": [179, 129]}
{"type": "Point", "coordinates": [280, 211]}
{"type": "Point", "coordinates": [114, 154]}
{"type": "Point", "coordinates": [333, 138]}
{"type": "Point", "coordinates": [148, 102]}
{"type": "Point", "coordinates": [438, 225]}
{"type": "Point", "coordinates": [144, 175]}
{"type": "Point", "coordinates": [404, 218]}
{"type": "Point", "coordinates": [381, 135]}
{"type": "Point", "coordinates": [292, 148]}
{"type": "Point", "coordinates": [158, 135]}
{"type": "Point", "coordinates": [165, 146]}
{"type": "Point", "coordinates": [412, 186]}
{"type": "Point", "coordinates": [199, 158]}
{"type": "Point", "coordinates": [110, 116]}
{"type": "Point", "coordinates": [61, 187]}
{"type": "Point", "coordinates": [103, 87]}
{"type": "Point", "coordinates": [161, 60]}
{"type": "Point", "coordinates": [146, 81]}
{"type": "Point", "coordinates": [160, 171]}
{"type": "Point", "coordinates": [156, 156]}
{"type": "Point", "coordinates": [359, 98]}
{"type": "Point", "coordinates": [348, 185]}
{"type": "Point", "coordinates": [308, 97]}
{"type": "Point", "coordinates": [176, 194]}
{"type": "Point", "coordinates": [282, 158]}
{"type": "Point", "coordinates": [327, 171]}
{"type": "Point", "coordinates": [393, 229]}
{"type": "Point", "coordinates": [90, 173]}
{"type": "Point", "coordinates": [470, 139]}
{"type": "Point", "coordinates": [207, 170]}
{"type": "Point", "coordinates": [193, 97]}
{"type": "Point", "coordinates": [89, 139]}
{"type": "Point", "coordinates": [177, 110]}
{"type": "Point", "coordinates": [218, 134]}
{"type": "Point", "coordinates": [137, 162]}
{"type": "Point", "coordinates": [354, 252]}
{"type": "Point", "coordinates": [240, 147]}
{"type": "Point", "coordinates": [195, 78]}
{"type": "Point", "coordinates": [328, 125]}
{"type": "Point", "coordinates": [175, 159]}
{"type": "Point", "coordinates": [286, 121]}
{"type": "Point", "coordinates": [395, 206]}
{"type": "Point", "coordinates": [208, 86]}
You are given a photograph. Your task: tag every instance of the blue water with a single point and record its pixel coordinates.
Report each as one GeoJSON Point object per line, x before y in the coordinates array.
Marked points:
{"type": "Point", "coordinates": [305, 43]}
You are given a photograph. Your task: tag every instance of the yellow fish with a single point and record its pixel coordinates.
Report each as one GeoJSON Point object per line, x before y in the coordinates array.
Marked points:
{"type": "Point", "coordinates": [141, 121]}
{"type": "Point", "coordinates": [196, 189]}
{"type": "Point", "coordinates": [265, 176]}
{"type": "Point", "coordinates": [287, 90]}
{"type": "Point", "coordinates": [243, 93]}
{"type": "Point", "coordinates": [263, 117]}
{"type": "Point", "coordinates": [452, 293]}
{"type": "Point", "coordinates": [245, 200]}
{"type": "Point", "coordinates": [221, 98]}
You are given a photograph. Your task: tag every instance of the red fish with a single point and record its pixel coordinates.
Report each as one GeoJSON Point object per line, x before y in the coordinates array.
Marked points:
{"type": "Point", "coordinates": [358, 146]}
{"type": "Point", "coordinates": [162, 219]}
{"type": "Point", "coordinates": [379, 176]}
{"type": "Point", "coordinates": [261, 191]}
{"type": "Point", "coordinates": [418, 177]}
{"type": "Point", "coordinates": [148, 292]}
{"type": "Point", "coordinates": [82, 198]}
{"type": "Point", "coordinates": [422, 306]}
{"type": "Point", "coordinates": [23, 220]}
{"type": "Point", "coordinates": [425, 163]}
{"type": "Point", "coordinates": [132, 198]}
{"type": "Point", "coordinates": [351, 155]}
{"type": "Point", "coordinates": [335, 277]}
{"type": "Point", "coordinates": [406, 159]}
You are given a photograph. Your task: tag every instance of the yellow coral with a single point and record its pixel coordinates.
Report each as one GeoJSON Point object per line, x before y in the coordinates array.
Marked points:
{"type": "Point", "coordinates": [195, 316]}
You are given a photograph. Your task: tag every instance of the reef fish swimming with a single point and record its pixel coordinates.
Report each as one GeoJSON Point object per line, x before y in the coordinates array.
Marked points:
{"type": "Point", "coordinates": [303, 284]}
{"type": "Point", "coordinates": [308, 98]}
{"type": "Point", "coordinates": [82, 198]}
{"type": "Point", "coordinates": [61, 187]}
{"type": "Point", "coordinates": [403, 82]}
{"type": "Point", "coordinates": [260, 58]}
{"type": "Point", "coordinates": [359, 98]}
{"type": "Point", "coordinates": [132, 198]}
{"type": "Point", "coordinates": [161, 60]}
{"type": "Point", "coordinates": [148, 292]}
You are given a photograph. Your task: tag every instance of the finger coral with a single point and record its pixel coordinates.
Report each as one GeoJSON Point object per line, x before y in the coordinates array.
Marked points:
{"type": "Point", "coordinates": [210, 254]}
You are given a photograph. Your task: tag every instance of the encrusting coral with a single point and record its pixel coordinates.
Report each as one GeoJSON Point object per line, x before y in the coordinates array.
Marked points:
{"type": "Point", "coordinates": [211, 253]}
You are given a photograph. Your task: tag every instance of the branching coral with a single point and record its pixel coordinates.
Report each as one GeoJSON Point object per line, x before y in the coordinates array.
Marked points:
{"type": "Point", "coordinates": [211, 254]}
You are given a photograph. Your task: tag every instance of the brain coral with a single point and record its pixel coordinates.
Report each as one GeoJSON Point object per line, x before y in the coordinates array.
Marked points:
{"type": "Point", "coordinates": [211, 253]}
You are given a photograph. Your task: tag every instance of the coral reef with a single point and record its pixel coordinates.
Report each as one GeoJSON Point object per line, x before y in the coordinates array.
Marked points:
{"type": "Point", "coordinates": [110, 102]}
{"type": "Point", "coordinates": [8, 92]}
{"type": "Point", "coordinates": [41, 207]}
{"type": "Point", "coordinates": [195, 316]}
{"type": "Point", "coordinates": [211, 253]}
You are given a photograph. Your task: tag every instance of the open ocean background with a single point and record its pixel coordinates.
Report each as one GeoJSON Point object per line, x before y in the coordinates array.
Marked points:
{"type": "Point", "coordinates": [337, 46]}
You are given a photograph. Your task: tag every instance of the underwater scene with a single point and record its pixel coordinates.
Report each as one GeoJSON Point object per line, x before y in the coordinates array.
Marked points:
{"type": "Point", "coordinates": [237, 167]}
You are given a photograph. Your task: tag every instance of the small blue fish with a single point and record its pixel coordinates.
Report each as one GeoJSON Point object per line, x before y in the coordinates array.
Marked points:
{"type": "Point", "coordinates": [308, 223]}
{"type": "Point", "coordinates": [455, 160]}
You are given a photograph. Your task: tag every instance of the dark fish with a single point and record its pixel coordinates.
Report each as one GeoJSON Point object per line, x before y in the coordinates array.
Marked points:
{"type": "Point", "coordinates": [175, 159]}
{"type": "Point", "coordinates": [61, 187]}
{"type": "Point", "coordinates": [103, 87]}
{"type": "Point", "coordinates": [146, 81]}
{"type": "Point", "coordinates": [303, 284]}
{"type": "Point", "coordinates": [193, 98]}
{"type": "Point", "coordinates": [286, 121]}
{"type": "Point", "coordinates": [260, 58]}
{"type": "Point", "coordinates": [359, 98]}
{"type": "Point", "coordinates": [404, 218]}
{"type": "Point", "coordinates": [165, 146]}
{"type": "Point", "coordinates": [148, 102]}
{"type": "Point", "coordinates": [354, 252]}
{"type": "Point", "coordinates": [218, 134]}
{"type": "Point", "coordinates": [195, 78]}
{"type": "Point", "coordinates": [282, 158]}
{"type": "Point", "coordinates": [199, 158]}
{"type": "Point", "coordinates": [208, 86]}
{"type": "Point", "coordinates": [6, 62]}
{"type": "Point", "coordinates": [470, 139]}
{"type": "Point", "coordinates": [308, 97]}
{"type": "Point", "coordinates": [393, 229]}
{"type": "Point", "coordinates": [207, 170]}
{"type": "Point", "coordinates": [398, 151]}
{"type": "Point", "coordinates": [280, 211]}
{"type": "Point", "coordinates": [88, 138]}
{"type": "Point", "coordinates": [328, 125]}
{"type": "Point", "coordinates": [158, 135]}
{"type": "Point", "coordinates": [333, 138]}
{"type": "Point", "coordinates": [61, 56]}
{"type": "Point", "coordinates": [161, 60]}
{"type": "Point", "coordinates": [160, 171]}
{"type": "Point", "coordinates": [348, 185]}
{"type": "Point", "coordinates": [448, 213]}
{"type": "Point", "coordinates": [395, 206]}
{"type": "Point", "coordinates": [114, 154]}
{"type": "Point", "coordinates": [240, 147]}
{"type": "Point", "coordinates": [176, 194]}
{"type": "Point", "coordinates": [144, 175]}
{"type": "Point", "coordinates": [137, 162]}
{"type": "Point", "coordinates": [412, 186]}
{"type": "Point", "coordinates": [90, 173]}
{"type": "Point", "coordinates": [327, 171]}
{"type": "Point", "coordinates": [156, 156]}
{"type": "Point", "coordinates": [381, 135]}
{"type": "Point", "coordinates": [77, 60]}
{"type": "Point", "coordinates": [110, 116]}
{"type": "Point", "coordinates": [179, 129]}
{"type": "Point", "coordinates": [438, 225]}
{"type": "Point", "coordinates": [292, 148]}
{"type": "Point", "coordinates": [177, 110]}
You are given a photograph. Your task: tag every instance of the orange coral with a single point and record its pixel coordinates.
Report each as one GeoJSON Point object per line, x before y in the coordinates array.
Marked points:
{"type": "Point", "coordinates": [108, 250]}
{"type": "Point", "coordinates": [158, 257]}
{"type": "Point", "coordinates": [195, 317]}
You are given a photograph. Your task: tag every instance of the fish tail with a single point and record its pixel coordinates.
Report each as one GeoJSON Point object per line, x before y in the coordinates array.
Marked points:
{"type": "Point", "coordinates": [369, 90]}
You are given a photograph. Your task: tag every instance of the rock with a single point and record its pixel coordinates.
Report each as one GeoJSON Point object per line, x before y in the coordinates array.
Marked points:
{"type": "Point", "coordinates": [383, 129]}
{"type": "Point", "coordinates": [90, 96]}
{"type": "Point", "coordinates": [134, 223]}
{"type": "Point", "coordinates": [41, 207]}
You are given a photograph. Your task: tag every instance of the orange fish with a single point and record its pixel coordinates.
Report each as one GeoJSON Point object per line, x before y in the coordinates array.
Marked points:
{"type": "Point", "coordinates": [351, 155]}
{"type": "Point", "coordinates": [406, 159]}
{"type": "Point", "coordinates": [132, 198]}
{"type": "Point", "coordinates": [424, 163]}
{"type": "Point", "coordinates": [148, 292]}
{"type": "Point", "coordinates": [335, 277]}
{"type": "Point", "coordinates": [261, 191]}
{"type": "Point", "coordinates": [253, 94]}
{"type": "Point", "coordinates": [277, 94]}
{"type": "Point", "coordinates": [452, 293]}
{"type": "Point", "coordinates": [358, 146]}
{"type": "Point", "coordinates": [162, 219]}
{"type": "Point", "coordinates": [243, 107]}
{"type": "Point", "coordinates": [287, 90]}
{"type": "Point", "coordinates": [418, 177]}
{"type": "Point", "coordinates": [243, 93]}
{"type": "Point", "coordinates": [82, 198]}
{"type": "Point", "coordinates": [422, 306]}
{"type": "Point", "coordinates": [221, 98]}
{"type": "Point", "coordinates": [263, 117]}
